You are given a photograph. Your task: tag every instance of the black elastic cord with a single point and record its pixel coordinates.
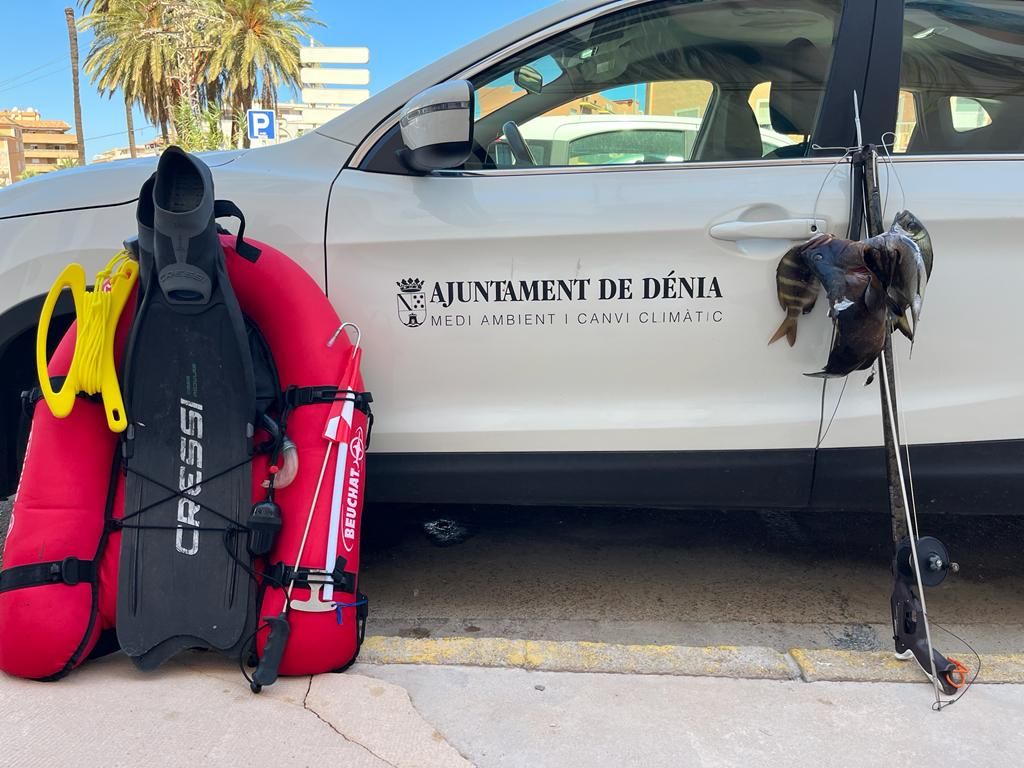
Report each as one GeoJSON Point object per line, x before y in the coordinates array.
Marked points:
{"type": "Point", "coordinates": [179, 494]}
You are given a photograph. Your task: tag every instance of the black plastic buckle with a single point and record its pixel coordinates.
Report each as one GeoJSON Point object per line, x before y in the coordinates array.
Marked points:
{"type": "Point", "coordinates": [67, 571]}
{"type": "Point", "coordinates": [300, 396]}
{"type": "Point", "coordinates": [281, 575]}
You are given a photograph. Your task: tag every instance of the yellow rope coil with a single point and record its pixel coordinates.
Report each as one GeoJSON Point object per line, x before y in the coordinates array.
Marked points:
{"type": "Point", "coordinates": [98, 310]}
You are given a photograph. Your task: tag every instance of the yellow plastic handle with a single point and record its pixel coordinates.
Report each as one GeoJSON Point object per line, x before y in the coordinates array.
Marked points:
{"type": "Point", "coordinates": [63, 401]}
{"type": "Point", "coordinates": [92, 369]}
{"type": "Point", "coordinates": [120, 291]}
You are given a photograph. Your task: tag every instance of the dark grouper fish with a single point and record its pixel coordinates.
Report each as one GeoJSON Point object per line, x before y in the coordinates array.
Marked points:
{"type": "Point", "coordinates": [797, 287]}
{"type": "Point", "coordinates": [860, 316]}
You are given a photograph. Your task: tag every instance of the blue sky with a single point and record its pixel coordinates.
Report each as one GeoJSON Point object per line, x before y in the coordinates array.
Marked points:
{"type": "Point", "coordinates": [403, 35]}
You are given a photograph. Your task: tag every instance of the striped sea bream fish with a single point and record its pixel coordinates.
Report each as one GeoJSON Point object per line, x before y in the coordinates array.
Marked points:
{"type": "Point", "coordinates": [797, 286]}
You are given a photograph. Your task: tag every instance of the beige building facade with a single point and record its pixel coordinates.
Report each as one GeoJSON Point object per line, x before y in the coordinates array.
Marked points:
{"type": "Point", "coordinates": [12, 152]}
{"type": "Point", "coordinates": [45, 142]}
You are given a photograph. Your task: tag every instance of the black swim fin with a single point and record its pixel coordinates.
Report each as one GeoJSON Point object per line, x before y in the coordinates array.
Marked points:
{"type": "Point", "coordinates": [190, 395]}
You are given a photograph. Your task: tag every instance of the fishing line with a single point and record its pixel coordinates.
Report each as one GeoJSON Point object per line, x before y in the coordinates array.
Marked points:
{"type": "Point", "coordinates": [847, 153]}
{"type": "Point", "coordinates": [821, 440]}
{"type": "Point", "coordinates": [892, 167]}
{"type": "Point", "coordinates": [905, 432]}
{"type": "Point", "coordinates": [939, 706]}
{"type": "Point", "coordinates": [887, 387]}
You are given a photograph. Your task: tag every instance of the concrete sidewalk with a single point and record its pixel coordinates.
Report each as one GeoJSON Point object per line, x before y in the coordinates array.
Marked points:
{"type": "Point", "coordinates": [199, 712]}
{"type": "Point", "coordinates": [513, 717]}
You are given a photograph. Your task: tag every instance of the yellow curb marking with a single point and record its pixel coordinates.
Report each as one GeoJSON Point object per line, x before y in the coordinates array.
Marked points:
{"type": "Point", "coordinates": [709, 661]}
{"type": "Point", "coordinates": [884, 667]}
{"type": "Point", "coordinates": [580, 656]}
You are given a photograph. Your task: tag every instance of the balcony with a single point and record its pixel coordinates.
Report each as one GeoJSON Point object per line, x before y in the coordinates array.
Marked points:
{"type": "Point", "coordinates": [50, 155]}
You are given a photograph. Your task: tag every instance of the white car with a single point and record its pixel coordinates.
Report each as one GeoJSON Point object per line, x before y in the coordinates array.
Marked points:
{"type": "Point", "coordinates": [614, 140]}
{"type": "Point", "coordinates": [597, 333]}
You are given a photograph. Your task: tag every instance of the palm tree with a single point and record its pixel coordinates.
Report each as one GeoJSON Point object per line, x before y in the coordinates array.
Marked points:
{"type": "Point", "coordinates": [131, 52]}
{"type": "Point", "coordinates": [129, 119]}
{"type": "Point", "coordinates": [69, 16]}
{"type": "Point", "coordinates": [259, 49]}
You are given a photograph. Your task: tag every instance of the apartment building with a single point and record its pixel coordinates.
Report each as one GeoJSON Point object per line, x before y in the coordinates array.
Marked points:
{"type": "Point", "coordinates": [12, 152]}
{"type": "Point", "coordinates": [45, 142]}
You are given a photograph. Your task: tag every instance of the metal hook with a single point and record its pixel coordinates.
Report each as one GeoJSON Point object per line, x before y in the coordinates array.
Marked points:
{"type": "Point", "coordinates": [342, 327]}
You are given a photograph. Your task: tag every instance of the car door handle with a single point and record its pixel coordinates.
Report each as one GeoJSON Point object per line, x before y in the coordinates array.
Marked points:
{"type": "Point", "coordinates": [781, 229]}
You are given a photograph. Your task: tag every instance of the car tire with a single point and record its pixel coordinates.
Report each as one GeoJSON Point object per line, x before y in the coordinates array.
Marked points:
{"type": "Point", "coordinates": [18, 363]}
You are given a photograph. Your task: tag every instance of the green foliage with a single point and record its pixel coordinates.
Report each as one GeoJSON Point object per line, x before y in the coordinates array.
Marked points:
{"type": "Point", "coordinates": [204, 53]}
{"type": "Point", "coordinates": [66, 162]}
{"type": "Point", "coordinates": [28, 173]}
{"type": "Point", "coordinates": [197, 132]}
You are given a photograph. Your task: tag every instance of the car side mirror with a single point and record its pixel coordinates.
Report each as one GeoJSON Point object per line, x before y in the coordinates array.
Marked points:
{"type": "Point", "coordinates": [529, 79]}
{"type": "Point", "coordinates": [437, 127]}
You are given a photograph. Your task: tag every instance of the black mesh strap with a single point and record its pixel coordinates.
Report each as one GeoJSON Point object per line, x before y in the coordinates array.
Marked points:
{"type": "Point", "coordinates": [68, 571]}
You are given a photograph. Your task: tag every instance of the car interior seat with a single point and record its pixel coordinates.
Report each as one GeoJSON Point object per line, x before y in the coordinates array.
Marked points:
{"type": "Point", "coordinates": [935, 134]}
{"type": "Point", "coordinates": [735, 134]}
{"type": "Point", "coordinates": [795, 96]}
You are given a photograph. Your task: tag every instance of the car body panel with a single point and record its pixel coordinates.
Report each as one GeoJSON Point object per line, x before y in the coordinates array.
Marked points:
{"type": "Point", "coordinates": [623, 383]}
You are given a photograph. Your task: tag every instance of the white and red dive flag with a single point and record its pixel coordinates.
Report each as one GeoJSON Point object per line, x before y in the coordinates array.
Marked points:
{"type": "Point", "coordinates": [347, 427]}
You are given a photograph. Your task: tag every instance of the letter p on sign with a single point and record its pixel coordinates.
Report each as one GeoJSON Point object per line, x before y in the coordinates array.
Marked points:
{"type": "Point", "coordinates": [262, 124]}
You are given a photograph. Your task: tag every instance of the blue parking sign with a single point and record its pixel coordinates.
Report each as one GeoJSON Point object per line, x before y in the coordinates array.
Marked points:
{"type": "Point", "coordinates": [262, 124]}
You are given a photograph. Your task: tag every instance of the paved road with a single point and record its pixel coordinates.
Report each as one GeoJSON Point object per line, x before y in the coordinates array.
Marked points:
{"type": "Point", "coordinates": [739, 578]}
{"type": "Point", "coordinates": [774, 579]}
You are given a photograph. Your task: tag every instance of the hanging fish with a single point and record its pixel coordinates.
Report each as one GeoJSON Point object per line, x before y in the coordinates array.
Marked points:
{"type": "Point", "coordinates": [796, 286]}
{"type": "Point", "coordinates": [910, 224]}
{"type": "Point", "coordinates": [896, 260]}
{"type": "Point", "coordinates": [831, 263]}
{"type": "Point", "coordinates": [860, 315]}
{"type": "Point", "coordinates": [919, 234]}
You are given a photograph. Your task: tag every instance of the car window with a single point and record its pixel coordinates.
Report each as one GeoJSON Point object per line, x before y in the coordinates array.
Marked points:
{"type": "Point", "coordinates": [962, 65]}
{"type": "Point", "coordinates": [636, 123]}
{"type": "Point", "coordinates": [631, 146]}
{"type": "Point", "coordinates": [669, 81]}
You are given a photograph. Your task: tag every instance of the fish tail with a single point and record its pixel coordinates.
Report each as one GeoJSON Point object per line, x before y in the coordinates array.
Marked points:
{"type": "Point", "coordinates": [787, 329]}
{"type": "Point", "coordinates": [903, 323]}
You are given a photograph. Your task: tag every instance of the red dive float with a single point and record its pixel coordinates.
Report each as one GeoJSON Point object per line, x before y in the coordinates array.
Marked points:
{"type": "Point", "coordinates": [296, 547]}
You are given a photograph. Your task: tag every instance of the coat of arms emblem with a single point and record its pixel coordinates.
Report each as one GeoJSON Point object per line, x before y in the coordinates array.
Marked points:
{"type": "Point", "coordinates": [412, 303]}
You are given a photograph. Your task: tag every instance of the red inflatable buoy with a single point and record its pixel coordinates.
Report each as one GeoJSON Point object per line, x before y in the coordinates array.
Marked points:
{"type": "Point", "coordinates": [58, 589]}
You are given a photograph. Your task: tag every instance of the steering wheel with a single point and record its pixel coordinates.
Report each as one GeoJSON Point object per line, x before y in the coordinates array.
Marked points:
{"type": "Point", "coordinates": [520, 149]}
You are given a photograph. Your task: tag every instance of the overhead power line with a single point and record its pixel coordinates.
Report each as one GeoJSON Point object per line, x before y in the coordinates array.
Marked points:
{"type": "Point", "coordinates": [4, 83]}
{"type": "Point", "coordinates": [16, 86]}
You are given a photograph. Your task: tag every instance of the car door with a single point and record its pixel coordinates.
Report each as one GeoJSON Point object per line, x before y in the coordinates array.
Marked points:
{"type": "Point", "coordinates": [958, 164]}
{"type": "Point", "coordinates": [614, 307]}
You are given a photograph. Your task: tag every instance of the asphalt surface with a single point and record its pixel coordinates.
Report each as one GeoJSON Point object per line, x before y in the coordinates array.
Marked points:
{"type": "Point", "coordinates": [779, 580]}
{"type": "Point", "coordinates": [739, 578]}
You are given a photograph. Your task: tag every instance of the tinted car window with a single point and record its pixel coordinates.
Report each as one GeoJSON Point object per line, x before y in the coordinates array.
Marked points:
{"type": "Point", "coordinates": [622, 147]}
{"type": "Point", "coordinates": [962, 68]}
{"type": "Point", "coordinates": [740, 79]}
